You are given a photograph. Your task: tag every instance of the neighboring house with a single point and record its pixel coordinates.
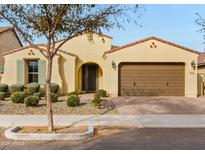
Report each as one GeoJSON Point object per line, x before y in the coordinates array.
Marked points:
{"type": "Point", "coordinates": [8, 41]}
{"type": "Point", "coordinates": [201, 74]}
{"type": "Point", "coordinates": [148, 67]}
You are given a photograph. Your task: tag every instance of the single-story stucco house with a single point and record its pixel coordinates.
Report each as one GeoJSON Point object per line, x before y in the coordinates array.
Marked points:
{"type": "Point", "coordinates": [151, 66]}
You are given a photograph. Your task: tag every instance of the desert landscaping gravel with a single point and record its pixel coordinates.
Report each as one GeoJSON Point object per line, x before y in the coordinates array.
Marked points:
{"type": "Point", "coordinates": [38, 129]}
{"type": "Point", "coordinates": [60, 107]}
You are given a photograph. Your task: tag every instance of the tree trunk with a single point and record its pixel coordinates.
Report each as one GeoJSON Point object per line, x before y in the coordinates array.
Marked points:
{"type": "Point", "coordinates": [48, 95]}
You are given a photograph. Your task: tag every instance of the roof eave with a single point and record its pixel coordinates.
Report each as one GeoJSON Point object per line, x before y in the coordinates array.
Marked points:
{"type": "Point", "coordinates": [150, 38]}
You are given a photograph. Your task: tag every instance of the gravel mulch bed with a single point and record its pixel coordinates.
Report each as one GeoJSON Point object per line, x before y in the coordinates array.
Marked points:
{"type": "Point", "coordinates": [60, 107]}
{"type": "Point", "coordinates": [68, 129]}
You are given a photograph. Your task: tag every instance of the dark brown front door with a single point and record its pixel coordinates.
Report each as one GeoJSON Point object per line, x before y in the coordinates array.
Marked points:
{"type": "Point", "coordinates": [89, 77]}
{"type": "Point", "coordinates": [151, 79]}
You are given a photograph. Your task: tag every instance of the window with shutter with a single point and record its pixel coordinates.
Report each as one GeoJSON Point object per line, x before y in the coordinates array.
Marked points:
{"type": "Point", "coordinates": [33, 71]}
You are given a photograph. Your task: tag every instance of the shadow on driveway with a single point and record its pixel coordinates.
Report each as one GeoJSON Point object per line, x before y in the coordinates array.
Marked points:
{"type": "Point", "coordinates": [159, 105]}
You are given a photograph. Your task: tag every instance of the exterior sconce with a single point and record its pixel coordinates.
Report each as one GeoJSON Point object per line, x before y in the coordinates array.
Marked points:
{"type": "Point", "coordinates": [193, 64]}
{"type": "Point", "coordinates": [114, 65]}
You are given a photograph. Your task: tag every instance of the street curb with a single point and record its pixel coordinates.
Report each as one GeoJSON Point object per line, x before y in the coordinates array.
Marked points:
{"type": "Point", "coordinates": [11, 133]}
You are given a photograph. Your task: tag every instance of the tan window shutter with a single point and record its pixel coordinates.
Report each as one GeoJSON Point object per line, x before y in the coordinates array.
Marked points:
{"type": "Point", "coordinates": [20, 72]}
{"type": "Point", "coordinates": [41, 71]}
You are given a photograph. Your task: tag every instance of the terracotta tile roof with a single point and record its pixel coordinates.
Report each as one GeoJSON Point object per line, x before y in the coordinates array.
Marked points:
{"type": "Point", "coordinates": [114, 47]}
{"type": "Point", "coordinates": [201, 59]}
{"type": "Point", "coordinates": [30, 46]}
{"type": "Point", "coordinates": [150, 38]}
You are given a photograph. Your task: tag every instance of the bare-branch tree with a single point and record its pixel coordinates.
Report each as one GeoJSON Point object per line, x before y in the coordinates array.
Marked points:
{"type": "Point", "coordinates": [55, 22]}
{"type": "Point", "coordinates": [201, 22]}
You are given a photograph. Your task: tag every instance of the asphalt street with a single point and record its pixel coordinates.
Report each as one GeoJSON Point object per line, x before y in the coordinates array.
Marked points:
{"type": "Point", "coordinates": [130, 138]}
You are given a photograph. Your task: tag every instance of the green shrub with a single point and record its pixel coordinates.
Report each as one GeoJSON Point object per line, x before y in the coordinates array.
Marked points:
{"type": "Point", "coordinates": [102, 92]}
{"type": "Point", "coordinates": [54, 87]}
{"type": "Point", "coordinates": [73, 100]}
{"type": "Point", "coordinates": [31, 101]}
{"type": "Point", "coordinates": [73, 93]}
{"type": "Point", "coordinates": [18, 97]}
{"type": "Point", "coordinates": [38, 95]}
{"type": "Point", "coordinates": [16, 88]}
{"type": "Point", "coordinates": [54, 97]}
{"type": "Point", "coordinates": [97, 101]}
{"type": "Point", "coordinates": [2, 96]}
{"type": "Point", "coordinates": [3, 88]}
{"type": "Point", "coordinates": [33, 88]}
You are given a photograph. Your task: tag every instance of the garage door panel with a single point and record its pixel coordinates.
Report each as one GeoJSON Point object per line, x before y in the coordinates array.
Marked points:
{"type": "Point", "coordinates": [151, 79]}
{"type": "Point", "coordinates": [167, 78]}
{"type": "Point", "coordinates": [140, 92]}
{"type": "Point", "coordinates": [165, 74]}
{"type": "Point", "coordinates": [135, 79]}
{"type": "Point", "coordinates": [135, 72]}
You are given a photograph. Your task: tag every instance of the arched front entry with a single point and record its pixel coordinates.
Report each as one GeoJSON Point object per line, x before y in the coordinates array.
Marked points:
{"type": "Point", "coordinates": [91, 75]}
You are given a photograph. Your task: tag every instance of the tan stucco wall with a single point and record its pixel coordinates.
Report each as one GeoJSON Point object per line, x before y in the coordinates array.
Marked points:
{"type": "Point", "coordinates": [88, 52]}
{"type": "Point", "coordinates": [201, 80]}
{"type": "Point", "coordinates": [63, 74]}
{"type": "Point", "coordinates": [143, 53]}
{"type": "Point", "coordinates": [67, 69]}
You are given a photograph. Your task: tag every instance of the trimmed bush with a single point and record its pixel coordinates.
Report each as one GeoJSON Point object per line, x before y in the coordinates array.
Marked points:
{"type": "Point", "coordinates": [31, 101]}
{"type": "Point", "coordinates": [54, 87]}
{"type": "Point", "coordinates": [16, 88]}
{"type": "Point", "coordinates": [3, 88]}
{"type": "Point", "coordinates": [33, 88]}
{"type": "Point", "coordinates": [54, 97]}
{"type": "Point", "coordinates": [37, 95]}
{"type": "Point", "coordinates": [73, 93]}
{"type": "Point", "coordinates": [97, 101]}
{"type": "Point", "coordinates": [18, 97]}
{"type": "Point", "coordinates": [73, 100]}
{"type": "Point", "coordinates": [102, 92]}
{"type": "Point", "coordinates": [2, 96]}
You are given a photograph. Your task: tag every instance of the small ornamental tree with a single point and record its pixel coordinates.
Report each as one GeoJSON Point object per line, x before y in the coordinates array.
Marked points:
{"type": "Point", "coordinates": [63, 21]}
{"type": "Point", "coordinates": [201, 22]}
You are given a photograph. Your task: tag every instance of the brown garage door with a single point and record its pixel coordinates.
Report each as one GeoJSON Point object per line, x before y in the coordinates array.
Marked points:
{"type": "Point", "coordinates": [151, 79]}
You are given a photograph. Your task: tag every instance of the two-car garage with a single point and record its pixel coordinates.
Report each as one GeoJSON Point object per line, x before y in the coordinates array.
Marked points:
{"type": "Point", "coordinates": [151, 79]}
{"type": "Point", "coordinates": [151, 67]}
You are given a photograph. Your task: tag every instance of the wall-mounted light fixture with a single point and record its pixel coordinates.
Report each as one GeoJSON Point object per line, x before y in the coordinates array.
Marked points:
{"type": "Point", "coordinates": [193, 64]}
{"type": "Point", "coordinates": [114, 65]}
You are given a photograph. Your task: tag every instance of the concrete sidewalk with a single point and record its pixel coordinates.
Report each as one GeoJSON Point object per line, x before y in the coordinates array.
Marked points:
{"type": "Point", "coordinates": [140, 120]}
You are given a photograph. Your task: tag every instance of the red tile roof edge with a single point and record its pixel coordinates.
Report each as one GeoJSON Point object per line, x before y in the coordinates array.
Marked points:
{"type": "Point", "coordinates": [30, 46]}
{"type": "Point", "coordinates": [149, 38]}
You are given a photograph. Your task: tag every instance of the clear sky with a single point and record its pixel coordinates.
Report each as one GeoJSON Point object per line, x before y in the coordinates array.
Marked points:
{"type": "Point", "coordinates": [175, 23]}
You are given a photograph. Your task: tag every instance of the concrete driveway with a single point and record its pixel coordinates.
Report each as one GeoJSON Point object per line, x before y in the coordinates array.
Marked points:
{"type": "Point", "coordinates": [159, 105]}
